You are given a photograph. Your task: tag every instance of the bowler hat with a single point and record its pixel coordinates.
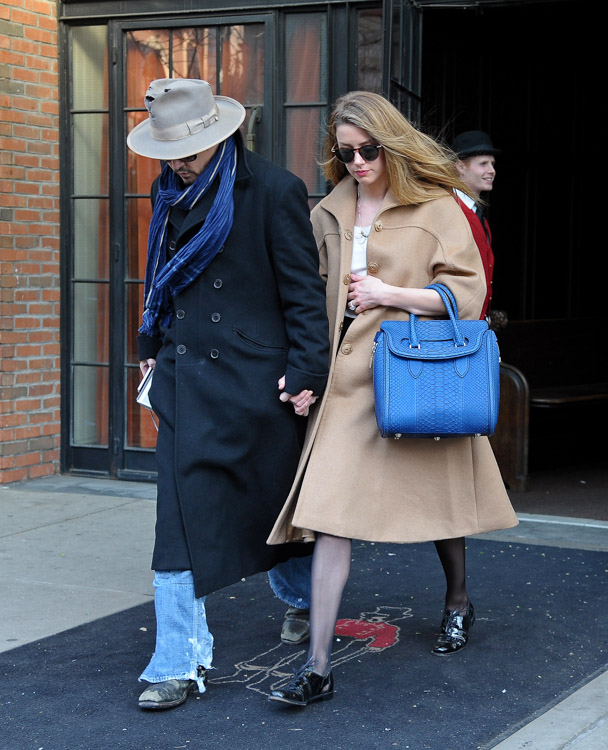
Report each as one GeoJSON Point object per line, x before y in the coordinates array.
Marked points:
{"type": "Point", "coordinates": [185, 119]}
{"type": "Point", "coordinates": [473, 143]}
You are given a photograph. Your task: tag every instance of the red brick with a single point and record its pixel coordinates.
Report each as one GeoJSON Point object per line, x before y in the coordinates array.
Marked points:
{"type": "Point", "coordinates": [24, 18]}
{"type": "Point", "coordinates": [23, 74]}
{"type": "Point", "coordinates": [22, 102]}
{"type": "Point", "coordinates": [17, 475]}
{"type": "Point", "coordinates": [42, 470]}
{"type": "Point", "coordinates": [28, 459]}
{"type": "Point", "coordinates": [13, 420]}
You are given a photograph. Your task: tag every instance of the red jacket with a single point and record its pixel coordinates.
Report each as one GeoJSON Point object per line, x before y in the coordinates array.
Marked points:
{"type": "Point", "coordinates": [484, 243]}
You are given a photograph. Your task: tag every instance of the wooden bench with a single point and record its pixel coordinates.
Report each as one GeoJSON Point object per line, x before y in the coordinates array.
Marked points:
{"type": "Point", "coordinates": [545, 364]}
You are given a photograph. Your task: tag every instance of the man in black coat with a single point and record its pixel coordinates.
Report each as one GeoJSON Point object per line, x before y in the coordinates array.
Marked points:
{"type": "Point", "coordinates": [235, 327]}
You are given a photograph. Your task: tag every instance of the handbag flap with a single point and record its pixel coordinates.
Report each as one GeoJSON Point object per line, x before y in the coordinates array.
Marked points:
{"type": "Point", "coordinates": [436, 338]}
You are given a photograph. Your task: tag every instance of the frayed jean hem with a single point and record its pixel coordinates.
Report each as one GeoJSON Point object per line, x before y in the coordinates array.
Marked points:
{"type": "Point", "coordinates": [200, 680]}
{"type": "Point", "coordinates": [290, 581]}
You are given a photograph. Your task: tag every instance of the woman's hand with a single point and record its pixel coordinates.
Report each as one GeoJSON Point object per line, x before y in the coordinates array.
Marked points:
{"type": "Point", "coordinates": [301, 402]}
{"type": "Point", "coordinates": [366, 292]}
{"type": "Point", "coordinates": [146, 364]}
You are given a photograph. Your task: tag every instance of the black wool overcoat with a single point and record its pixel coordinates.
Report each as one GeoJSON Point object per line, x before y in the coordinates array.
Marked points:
{"type": "Point", "coordinates": [227, 448]}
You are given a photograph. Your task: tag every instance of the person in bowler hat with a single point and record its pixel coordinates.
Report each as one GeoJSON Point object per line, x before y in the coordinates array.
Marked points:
{"type": "Point", "coordinates": [235, 327]}
{"type": "Point", "coordinates": [477, 167]}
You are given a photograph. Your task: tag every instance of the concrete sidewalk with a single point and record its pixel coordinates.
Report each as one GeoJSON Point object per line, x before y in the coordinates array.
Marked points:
{"type": "Point", "coordinates": [75, 549]}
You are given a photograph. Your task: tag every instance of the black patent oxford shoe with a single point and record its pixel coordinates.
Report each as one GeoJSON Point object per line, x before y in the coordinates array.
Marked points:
{"type": "Point", "coordinates": [454, 631]}
{"type": "Point", "coordinates": [305, 687]}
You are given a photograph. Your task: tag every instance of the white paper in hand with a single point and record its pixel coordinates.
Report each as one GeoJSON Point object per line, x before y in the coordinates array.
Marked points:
{"type": "Point", "coordinates": [143, 389]}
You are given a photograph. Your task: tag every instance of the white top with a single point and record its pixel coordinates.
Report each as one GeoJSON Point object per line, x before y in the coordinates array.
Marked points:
{"type": "Point", "coordinates": [358, 262]}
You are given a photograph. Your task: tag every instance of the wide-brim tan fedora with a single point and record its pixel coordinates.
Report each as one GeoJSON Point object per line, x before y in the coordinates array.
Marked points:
{"type": "Point", "coordinates": [185, 118]}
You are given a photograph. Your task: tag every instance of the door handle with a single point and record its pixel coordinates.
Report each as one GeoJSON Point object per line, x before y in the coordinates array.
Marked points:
{"type": "Point", "coordinates": [254, 119]}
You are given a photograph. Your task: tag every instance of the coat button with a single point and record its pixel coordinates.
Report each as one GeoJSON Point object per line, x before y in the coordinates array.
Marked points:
{"type": "Point", "coordinates": [346, 349]}
{"type": "Point", "coordinates": [216, 317]}
{"type": "Point", "coordinates": [372, 267]}
{"type": "Point", "coordinates": [348, 234]}
{"type": "Point", "coordinates": [218, 283]}
{"type": "Point", "coordinates": [346, 279]}
{"type": "Point", "coordinates": [214, 354]}
{"type": "Point", "coordinates": [378, 226]}
{"type": "Point", "coordinates": [180, 314]}
{"type": "Point", "coordinates": [181, 349]}
{"type": "Point", "coordinates": [172, 245]}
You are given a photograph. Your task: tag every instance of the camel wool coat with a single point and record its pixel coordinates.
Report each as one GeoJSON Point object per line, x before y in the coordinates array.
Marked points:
{"type": "Point", "coordinates": [351, 482]}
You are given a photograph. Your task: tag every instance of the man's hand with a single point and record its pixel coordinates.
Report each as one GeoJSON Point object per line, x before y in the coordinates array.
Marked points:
{"type": "Point", "coordinates": [301, 402]}
{"type": "Point", "coordinates": [146, 364]}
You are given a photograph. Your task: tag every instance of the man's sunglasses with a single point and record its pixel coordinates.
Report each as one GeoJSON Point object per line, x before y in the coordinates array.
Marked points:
{"type": "Point", "coordinates": [346, 155]}
{"type": "Point", "coordinates": [185, 159]}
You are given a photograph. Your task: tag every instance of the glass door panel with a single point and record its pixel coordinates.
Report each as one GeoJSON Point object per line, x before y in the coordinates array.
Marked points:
{"type": "Point", "coordinates": [89, 244]}
{"type": "Point", "coordinates": [232, 58]}
{"type": "Point", "coordinates": [305, 101]}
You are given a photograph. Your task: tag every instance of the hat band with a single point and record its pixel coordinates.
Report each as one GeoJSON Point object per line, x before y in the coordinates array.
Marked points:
{"type": "Point", "coordinates": [183, 130]}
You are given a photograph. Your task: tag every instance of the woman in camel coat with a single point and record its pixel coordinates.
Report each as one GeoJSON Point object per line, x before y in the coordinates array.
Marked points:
{"type": "Point", "coordinates": [380, 245]}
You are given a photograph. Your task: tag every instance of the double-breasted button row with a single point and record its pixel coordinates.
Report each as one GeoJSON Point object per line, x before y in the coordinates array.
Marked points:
{"type": "Point", "coordinates": [181, 349]}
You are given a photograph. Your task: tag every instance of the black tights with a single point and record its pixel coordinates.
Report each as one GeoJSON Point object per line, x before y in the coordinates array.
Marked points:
{"type": "Point", "coordinates": [452, 556]}
{"type": "Point", "coordinates": [330, 571]}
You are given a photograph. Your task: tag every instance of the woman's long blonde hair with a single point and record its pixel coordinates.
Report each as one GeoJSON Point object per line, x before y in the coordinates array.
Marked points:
{"type": "Point", "coordinates": [419, 169]}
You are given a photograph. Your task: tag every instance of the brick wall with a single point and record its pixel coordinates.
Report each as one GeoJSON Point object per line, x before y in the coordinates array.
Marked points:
{"type": "Point", "coordinates": [29, 237]}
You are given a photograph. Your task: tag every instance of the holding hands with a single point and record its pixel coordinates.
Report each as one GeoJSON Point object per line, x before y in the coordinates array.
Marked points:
{"type": "Point", "coordinates": [301, 402]}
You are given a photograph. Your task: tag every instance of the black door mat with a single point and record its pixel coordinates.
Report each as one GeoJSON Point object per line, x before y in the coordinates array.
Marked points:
{"type": "Point", "coordinates": [540, 633]}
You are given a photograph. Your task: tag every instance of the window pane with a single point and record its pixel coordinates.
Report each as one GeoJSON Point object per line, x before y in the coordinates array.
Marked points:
{"type": "Point", "coordinates": [195, 54]}
{"type": "Point", "coordinates": [90, 139]}
{"type": "Point", "coordinates": [302, 138]}
{"type": "Point", "coordinates": [90, 406]}
{"type": "Point", "coordinates": [91, 241]}
{"type": "Point", "coordinates": [139, 215]}
{"type": "Point", "coordinates": [305, 84]}
{"type": "Point", "coordinates": [147, 60]}
{"type": "Point", "coordinates": [369, 50]}
{"type": "Point", "coordinates": [305, 53]}
{"type": "Point", "coordinates": [242, 73]}
{"type": "Point", "coordinates": [89, 67]}
{"type": "Point", "coordinates": [135, 306]}
{"type": "Point", "coordinates": [91, 329]}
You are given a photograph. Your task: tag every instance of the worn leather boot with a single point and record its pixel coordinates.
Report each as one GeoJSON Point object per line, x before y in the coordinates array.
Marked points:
{"type": "Point", "coordinates": [296, 626]}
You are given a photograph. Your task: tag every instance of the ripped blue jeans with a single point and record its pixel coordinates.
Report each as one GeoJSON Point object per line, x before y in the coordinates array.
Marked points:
{"type": "Point", "coordinates": [183, 640]}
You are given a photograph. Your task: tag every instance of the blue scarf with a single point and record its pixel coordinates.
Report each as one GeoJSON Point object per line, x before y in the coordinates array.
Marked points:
{"type": "Point", "coordinates": [164, 279]}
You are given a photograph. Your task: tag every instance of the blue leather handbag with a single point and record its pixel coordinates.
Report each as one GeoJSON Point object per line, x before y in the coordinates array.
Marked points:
{"type": "Point", "coordinates": [437, 378]}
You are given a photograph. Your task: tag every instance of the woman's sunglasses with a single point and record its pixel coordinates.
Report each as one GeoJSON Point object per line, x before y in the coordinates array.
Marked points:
{"type": "Point", "coordinates": [346, 155]}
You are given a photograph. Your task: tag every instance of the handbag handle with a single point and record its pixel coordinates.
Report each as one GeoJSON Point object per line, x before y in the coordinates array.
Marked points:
{"type": "Point", "coordinates": [452, 309]}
